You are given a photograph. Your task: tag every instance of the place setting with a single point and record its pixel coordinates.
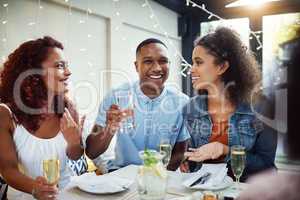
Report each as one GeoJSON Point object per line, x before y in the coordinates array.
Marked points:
{"type": "Point", "coordinates": [101, 185]}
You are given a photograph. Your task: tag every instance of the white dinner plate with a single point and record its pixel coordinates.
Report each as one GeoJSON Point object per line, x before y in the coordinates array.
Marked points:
{"type": "Point", "coordinates": [227, 182]}
{"type": "Point", "coordinates": [99, 188]}
{"type": "Point", "coordinates": [105, 184]}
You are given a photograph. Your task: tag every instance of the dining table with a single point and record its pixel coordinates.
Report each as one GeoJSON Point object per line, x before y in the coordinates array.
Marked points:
{"type": "Point", "coordinates": [175, 189]}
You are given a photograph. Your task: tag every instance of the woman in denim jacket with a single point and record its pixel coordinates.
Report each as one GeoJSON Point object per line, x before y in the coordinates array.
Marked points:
{"type": "Point", "coordinates": [225, 74]}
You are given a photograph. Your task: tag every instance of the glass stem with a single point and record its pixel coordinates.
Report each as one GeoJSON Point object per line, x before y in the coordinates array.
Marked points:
{"type": "Point", "coordinates": [238, 183]}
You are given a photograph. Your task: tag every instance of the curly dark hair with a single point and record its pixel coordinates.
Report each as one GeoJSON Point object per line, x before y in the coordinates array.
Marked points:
{"type": "Point", "coordinates": [33, 91]}
{"type": "Point", "coordinates": [225, 45]}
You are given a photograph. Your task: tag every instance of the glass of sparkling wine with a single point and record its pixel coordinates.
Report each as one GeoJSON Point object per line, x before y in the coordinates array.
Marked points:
{"type": "Point", "coordinates": [51, 170]}
{"type": "Point", "coordinates": [165, 147]}
{"type": "Point", "coordinates": [238, 162]}
{"type": "Point", "coordinates": [124, 99]}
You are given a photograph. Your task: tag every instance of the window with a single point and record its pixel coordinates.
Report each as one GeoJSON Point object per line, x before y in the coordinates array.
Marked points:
{"type": "Point", "coordinates": [275, 74]}
{"type": "Point", "coordinates": [241, 25]}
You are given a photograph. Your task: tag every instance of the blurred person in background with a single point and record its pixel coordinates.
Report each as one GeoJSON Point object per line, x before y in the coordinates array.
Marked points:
{"type": "Point", "coordinates": [284, 185]}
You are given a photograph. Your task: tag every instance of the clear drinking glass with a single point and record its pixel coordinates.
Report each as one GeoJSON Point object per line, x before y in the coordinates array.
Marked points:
{"type": "Point", "coordinates": [238, 162]}
{"type": "Point", "coordinates": [51, 169]}
{"type": "Point", "coordinates": [124, 99]}
{"type": "Point", "coordinates": [165, 147]}
{"type": "Point", "coordinates": [152, 176]}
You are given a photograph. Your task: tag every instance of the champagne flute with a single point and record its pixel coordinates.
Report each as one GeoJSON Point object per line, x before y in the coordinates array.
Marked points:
{"type": "Point", "coordinates": [165, 147]}
{"type": "Point", "coordinates": [51, 170]}
{"type": "Point", "coordinates": [238, 162]}
{"type": "Point", "coordinates": [124, 100]}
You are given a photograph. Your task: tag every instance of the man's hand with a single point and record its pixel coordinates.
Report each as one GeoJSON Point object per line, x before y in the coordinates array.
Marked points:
{"type": "Point", "coordinates": [114, 117]}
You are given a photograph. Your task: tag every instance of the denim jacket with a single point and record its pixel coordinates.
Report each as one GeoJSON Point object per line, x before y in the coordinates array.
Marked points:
{"type": "Point", "coordinates": [244, 129]}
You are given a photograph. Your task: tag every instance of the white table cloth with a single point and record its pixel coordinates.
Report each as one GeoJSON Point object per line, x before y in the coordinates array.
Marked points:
{"type": "Point", "coordinates": [175, 189]}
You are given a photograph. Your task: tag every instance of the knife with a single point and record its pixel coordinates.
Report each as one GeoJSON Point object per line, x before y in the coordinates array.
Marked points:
{"type": "Point", "coordinates": [202, 179]}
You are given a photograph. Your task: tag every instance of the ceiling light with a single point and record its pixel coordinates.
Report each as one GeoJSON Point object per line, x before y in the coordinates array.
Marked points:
{"type": "Point", "coordinates": [253, 3]}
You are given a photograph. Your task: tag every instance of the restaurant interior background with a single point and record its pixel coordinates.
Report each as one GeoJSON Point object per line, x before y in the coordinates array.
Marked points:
{"type": "Point", "coordinates": [100, 37]}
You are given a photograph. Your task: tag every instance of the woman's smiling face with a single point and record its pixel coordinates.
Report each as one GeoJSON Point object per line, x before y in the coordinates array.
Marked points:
{"type": "Point", "coordinates": [57, 72]}
{"type": "Point", "coordinates": [205, 72]}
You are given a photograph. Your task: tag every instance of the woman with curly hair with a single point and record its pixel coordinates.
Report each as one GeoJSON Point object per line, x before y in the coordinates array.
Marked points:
{"type": "Point", "coordinates": [37, 119]}
{"type": "Point", "coordinates": [225, 74]}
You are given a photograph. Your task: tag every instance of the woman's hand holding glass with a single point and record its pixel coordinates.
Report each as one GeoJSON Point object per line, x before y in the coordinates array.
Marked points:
{"type": "Point", "coordinates": [42, 190]}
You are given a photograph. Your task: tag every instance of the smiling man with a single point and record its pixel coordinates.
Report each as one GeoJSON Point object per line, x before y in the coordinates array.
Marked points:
{"type": "Point", "coordinates": [157, 114]}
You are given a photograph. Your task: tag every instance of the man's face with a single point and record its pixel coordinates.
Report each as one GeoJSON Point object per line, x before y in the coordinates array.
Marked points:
{"type": "Point", "coordinates": [152, 65]}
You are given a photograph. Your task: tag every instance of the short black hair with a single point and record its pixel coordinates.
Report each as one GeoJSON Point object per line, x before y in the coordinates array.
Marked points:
{"type": "Point", "coordinates": [148, 41]}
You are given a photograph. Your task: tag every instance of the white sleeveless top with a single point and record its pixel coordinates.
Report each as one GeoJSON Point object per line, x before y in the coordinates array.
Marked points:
{"type": "Point", "coordinates": [32, 150]}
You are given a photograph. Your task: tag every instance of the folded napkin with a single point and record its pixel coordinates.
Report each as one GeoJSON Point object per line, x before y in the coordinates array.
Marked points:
{"type": "Point", "coordinates": [218, 174]}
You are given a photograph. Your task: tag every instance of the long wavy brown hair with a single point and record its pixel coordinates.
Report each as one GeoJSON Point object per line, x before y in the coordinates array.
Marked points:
{"type": "Point", "coordinates": [225, 45]}
{"type": "Point", "coordinates": [33, 91]}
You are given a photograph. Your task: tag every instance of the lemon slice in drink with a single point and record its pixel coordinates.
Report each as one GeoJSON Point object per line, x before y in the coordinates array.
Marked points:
{"type": "Point", "coordinates": [159, 170]}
